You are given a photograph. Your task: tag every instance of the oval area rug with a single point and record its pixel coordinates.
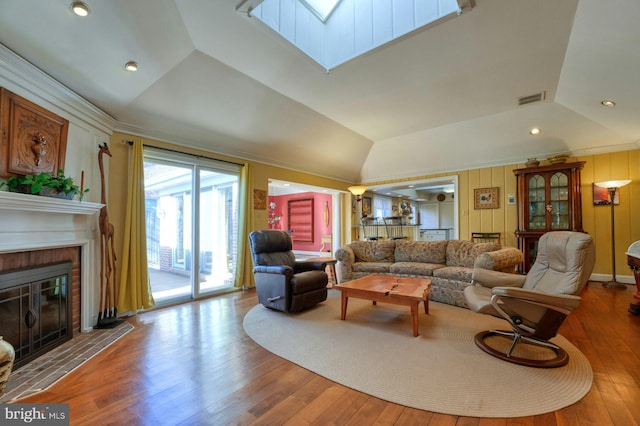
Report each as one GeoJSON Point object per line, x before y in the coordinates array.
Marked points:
{"type": "Point", "coordinates": [373, 351]}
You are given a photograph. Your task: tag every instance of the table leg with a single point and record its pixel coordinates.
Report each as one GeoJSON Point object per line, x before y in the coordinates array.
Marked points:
{"type": "Point", "coordinates": [636, 274]}
{"type": "Point", "coordinates": [426, 306]}
{"type": "Point", "coordinates": [345, 300]}
{"type": "Point", "coordinates": [414, 318]}
{"type": "Point", "coordinates": [334, 275]}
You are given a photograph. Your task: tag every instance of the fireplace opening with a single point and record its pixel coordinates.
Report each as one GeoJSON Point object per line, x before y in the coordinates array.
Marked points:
{"type": "Point", "coordinates": [36, 309]}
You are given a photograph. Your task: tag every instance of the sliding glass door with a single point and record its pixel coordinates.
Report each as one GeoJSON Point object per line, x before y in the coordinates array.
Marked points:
{"type": "Point", "coordinates": [218, 230]}
{"type": "Point", "coordinates": [192, 225]}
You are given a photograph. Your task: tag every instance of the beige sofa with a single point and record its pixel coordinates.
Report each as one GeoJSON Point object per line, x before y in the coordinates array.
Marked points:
{"type": "Point", "coordinates": [448, 263]}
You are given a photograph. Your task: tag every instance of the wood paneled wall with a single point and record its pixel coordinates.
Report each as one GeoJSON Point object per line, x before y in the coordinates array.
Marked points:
{"type": "Point", "coordinates": [596, 220]}
{"type": "Point", "coordinates": [504, 218]}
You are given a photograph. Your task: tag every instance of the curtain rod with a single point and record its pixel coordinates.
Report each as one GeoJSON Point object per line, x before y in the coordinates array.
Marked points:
{"type": "Point", "coordinates": [175, 151]}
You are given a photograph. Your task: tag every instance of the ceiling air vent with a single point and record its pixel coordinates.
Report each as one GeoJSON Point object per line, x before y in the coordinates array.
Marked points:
{"type": "Point", "coordinates": [537, 97]}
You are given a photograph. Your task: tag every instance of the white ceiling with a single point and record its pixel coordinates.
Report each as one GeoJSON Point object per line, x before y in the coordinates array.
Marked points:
{"type": "Point", "coordinates": [439, 100]}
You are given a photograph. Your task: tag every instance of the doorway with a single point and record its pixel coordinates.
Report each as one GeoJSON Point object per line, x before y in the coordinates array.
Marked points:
{"type": "Point", "coordinates": [325, 204]}
{"type": "Point", "coordinates": [192, 225]}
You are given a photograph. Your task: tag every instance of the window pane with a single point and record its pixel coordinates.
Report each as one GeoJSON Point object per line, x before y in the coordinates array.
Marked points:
{"type": "Point", "coordinates": [168, 212]}
{"type": "Point", "coordinates": [218, 229]}
{"type": "Point", "coordinates": [381, 206]}
{"type": "Point", "coordinates": [321, 8]}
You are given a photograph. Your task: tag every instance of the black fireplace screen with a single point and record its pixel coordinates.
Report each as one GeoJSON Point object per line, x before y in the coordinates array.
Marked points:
{"type": "Point", "coordinates": [35, 309]}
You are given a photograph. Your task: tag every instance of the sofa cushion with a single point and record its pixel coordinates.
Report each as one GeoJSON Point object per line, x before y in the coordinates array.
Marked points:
{"type": "Point", "coordinates": [448, 291]}
{"type": "Point", "coordinates": [421, 251]}
{"type": "Point", "coordinates": [464, 253]}
{"type": "Point", "coordinates": [372, 267]}
{"type": "Point", "coordinates": [454, 273]}
{"type": "Point", "coordinates": [414, 268]}
{"type": "Point", "coordinates": [373, 251]}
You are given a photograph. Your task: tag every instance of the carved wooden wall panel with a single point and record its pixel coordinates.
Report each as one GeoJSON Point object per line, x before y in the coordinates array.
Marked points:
{"type": "Point", "coordinates": [33, 140]}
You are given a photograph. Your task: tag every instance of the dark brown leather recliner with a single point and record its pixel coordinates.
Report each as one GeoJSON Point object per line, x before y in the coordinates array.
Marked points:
{"type": "Point", "coordinates": [282, 282]}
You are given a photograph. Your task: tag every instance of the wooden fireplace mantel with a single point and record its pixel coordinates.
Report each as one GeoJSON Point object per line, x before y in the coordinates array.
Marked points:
{"type": "Point", "coordinates": [34, 223]}
{"type": "Point", "coordinates": [37, 203]}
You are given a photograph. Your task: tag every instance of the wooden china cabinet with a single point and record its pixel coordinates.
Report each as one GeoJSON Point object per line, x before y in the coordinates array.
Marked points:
{"type": "Point", "coordinates": [549, 199]}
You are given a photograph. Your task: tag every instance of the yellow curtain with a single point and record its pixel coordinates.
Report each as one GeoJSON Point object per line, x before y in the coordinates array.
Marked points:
{"type": "Point", "coordinates": [135, 289]}
{"type": "Point", "coordinates": [244, 273]}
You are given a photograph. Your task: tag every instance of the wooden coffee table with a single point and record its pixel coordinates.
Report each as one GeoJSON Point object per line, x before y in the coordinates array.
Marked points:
{"type": "Point", "coordinates": [388, 289]}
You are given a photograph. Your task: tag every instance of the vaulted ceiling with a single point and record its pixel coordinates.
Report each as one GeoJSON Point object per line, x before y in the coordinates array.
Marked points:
{"type": "Point", "coordinates": [437, 100]}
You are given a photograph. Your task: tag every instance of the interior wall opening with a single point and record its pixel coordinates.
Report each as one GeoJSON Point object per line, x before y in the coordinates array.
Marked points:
{"type": "Point", "coordinates": [435, 204]}
{"type": "Point", "coordinates": [310, 214]}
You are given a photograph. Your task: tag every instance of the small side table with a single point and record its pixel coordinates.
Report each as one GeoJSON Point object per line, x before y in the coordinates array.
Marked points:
{"type": "Point", "coordinates": [331, 265]}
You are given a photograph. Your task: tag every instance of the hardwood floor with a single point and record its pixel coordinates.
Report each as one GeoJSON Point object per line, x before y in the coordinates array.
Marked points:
{"type": "Point", "coordinates": [193, 364]}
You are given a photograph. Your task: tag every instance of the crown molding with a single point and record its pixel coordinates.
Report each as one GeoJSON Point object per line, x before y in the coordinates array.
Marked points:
{"type": "Point", "coordinates": [28, 81]}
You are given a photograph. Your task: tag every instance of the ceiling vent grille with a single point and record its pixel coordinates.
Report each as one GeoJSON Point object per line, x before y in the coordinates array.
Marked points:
{"type": "Point", "coordinates": [537, 97]}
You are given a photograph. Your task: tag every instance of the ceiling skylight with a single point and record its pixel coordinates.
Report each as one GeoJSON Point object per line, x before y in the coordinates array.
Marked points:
{"type": "Point", "coordinates": [333, 32]}
{"type": "Point", "coordinates": [321, 8]}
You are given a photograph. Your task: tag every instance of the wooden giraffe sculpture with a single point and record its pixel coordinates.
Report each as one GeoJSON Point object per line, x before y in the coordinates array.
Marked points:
{"type": "Point", "coordinates": [107, 316]}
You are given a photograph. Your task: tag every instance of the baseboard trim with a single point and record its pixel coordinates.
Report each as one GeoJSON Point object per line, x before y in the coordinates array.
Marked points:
{"type": "Point", "coordinates": [625, 279]}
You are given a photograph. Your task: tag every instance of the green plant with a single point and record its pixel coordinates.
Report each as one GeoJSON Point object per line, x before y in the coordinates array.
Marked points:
{"type": "Point", "coordinates": [36, 183]}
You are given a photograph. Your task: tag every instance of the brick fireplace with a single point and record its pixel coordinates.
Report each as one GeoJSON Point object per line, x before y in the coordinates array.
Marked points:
{"type": "Point", "coordinates": [36, 231]}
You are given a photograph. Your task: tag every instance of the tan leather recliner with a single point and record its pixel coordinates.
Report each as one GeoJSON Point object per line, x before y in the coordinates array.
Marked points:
{"type": "Point", "coordinates": [535, 305]}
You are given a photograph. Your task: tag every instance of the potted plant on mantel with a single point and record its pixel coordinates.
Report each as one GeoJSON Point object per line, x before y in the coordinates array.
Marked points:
{"type": "Point", "coordinates": [46, 184]}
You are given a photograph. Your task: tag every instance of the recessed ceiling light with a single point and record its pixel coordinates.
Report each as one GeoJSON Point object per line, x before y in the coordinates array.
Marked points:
{"type": "Point", "coordinates": [80, 8]}
{"type": "Point", "coordinates": [608, 103]}
{"type": "Point", "coordinates": [410, 186]}
{"type": "Point", "coordinates": [286, 184]}
{"type": "Point", "coordinates": [131, 66]}
{"type": "Point", "coordinates": [535, 131]}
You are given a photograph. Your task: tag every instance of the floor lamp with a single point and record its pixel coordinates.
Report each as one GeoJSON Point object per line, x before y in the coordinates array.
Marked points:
{"type": "Point", "coordinates": [612, 186]}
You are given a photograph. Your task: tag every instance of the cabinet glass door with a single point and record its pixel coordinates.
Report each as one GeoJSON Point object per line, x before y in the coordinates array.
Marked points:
{"type": "Point", "coordinates": [559, 200]}
{"type": "Point", "coordinates": [537, 201]}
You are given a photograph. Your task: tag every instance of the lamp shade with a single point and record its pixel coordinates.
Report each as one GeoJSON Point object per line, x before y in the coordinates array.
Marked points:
{"type": "Point", "coordinates": [612, 183]}
{"type": "Point", "coordinates": [357, 190]}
